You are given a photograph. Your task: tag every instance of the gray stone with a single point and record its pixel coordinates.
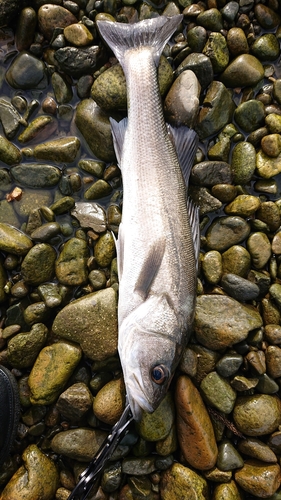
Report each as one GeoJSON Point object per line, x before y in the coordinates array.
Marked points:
{"type": "Point", "coordinates": [91, 321]}
{"type": "Point", "coordinates": [221, 321]}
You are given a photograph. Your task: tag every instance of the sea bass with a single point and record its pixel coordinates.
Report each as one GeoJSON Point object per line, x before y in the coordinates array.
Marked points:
{"type": "Point", "coordinates": [158, 240]}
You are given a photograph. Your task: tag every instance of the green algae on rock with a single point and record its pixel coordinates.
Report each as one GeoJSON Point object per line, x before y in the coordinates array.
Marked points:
{"type": "Point", "coordinates": [52, 369]}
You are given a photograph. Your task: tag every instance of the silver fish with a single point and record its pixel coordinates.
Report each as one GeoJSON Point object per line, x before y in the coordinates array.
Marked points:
{"type": "Point", "coordinates": [158, 240]}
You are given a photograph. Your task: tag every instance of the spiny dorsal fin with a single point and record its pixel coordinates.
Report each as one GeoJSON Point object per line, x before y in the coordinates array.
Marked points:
{"type": "Point", "coordinates": [185, 142]}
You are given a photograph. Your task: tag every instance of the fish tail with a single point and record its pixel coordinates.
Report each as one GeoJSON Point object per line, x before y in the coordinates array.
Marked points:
{"type": "Point", "coordinates": [154, 33]}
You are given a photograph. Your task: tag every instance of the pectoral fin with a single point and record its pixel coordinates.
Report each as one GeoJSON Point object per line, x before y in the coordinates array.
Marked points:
{"type": "Point", "coordinates": [118, 130]}
{"type": "Point", "coordinates": [185, 142]}
{"type": "Point", "coordinates": [193, 212]}
{"type": "Point", "coordinates": [150, 268]}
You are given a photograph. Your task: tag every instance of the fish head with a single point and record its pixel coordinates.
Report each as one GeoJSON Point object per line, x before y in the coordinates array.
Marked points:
{"type": "Point", "coordinates": [149, 353]}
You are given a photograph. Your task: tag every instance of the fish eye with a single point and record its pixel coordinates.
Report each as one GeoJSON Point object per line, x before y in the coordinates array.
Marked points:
{"type": "Point", "coordinates": [159, 374]}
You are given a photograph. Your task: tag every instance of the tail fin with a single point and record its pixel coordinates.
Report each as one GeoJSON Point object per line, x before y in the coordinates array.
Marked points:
{"type": "Point", "coordinates": [153, 32]}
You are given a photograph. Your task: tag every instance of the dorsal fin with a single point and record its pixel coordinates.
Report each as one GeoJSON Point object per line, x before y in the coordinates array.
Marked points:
{"type": "Point", "coordinates": [185, 142]}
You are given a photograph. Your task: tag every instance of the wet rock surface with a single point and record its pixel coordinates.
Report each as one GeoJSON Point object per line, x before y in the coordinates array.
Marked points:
{"type": "Point", "coordinates": [217, 433]}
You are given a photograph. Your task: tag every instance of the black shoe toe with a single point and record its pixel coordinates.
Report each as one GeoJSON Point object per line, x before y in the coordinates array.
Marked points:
{"type": "Point", "coordinates": [9, 412]}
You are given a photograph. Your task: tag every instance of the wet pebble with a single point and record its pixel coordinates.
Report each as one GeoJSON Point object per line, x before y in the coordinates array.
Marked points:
{"type": "Point", "coordinates": [9, 153]}
{"type": "Point", "coordinates": [259, 247]}
{"type": "Point", "coordinates": [228, 457]}
{"type": "Point", "coordinates": [75, 402]}
{"type": "Point", "coordinates": [23, 348]}
{"type": "Point", "coordinates": [36, 478]}
{"type": "Point", "coordinates": [51, 370]}
{"type": "Point", "coordinates": [258, 478]}
{"type": "Point", "coordinates": [33, 76]}
{"type": "Point", "coordinates": [244, 71]}
{"type": "Point", "coordinates": [80, 444]}
{"type": "Point", "coordinates": [39, 264]}
{"type": "Point", "coordinates": [243, 205]}
{"type": "Point", "coordinates": [51, 16]}
{"type": "Point", "coordinates": [210, 173]}
{"type": "Point", "coordinates": [217, 110]}
{"type": "Point", "coordinates": [179, 479]}
{"type": "Point", "coordinates": [225, 232]}
{"type": "Point", "coordinates": [243, 162]}
{"type": "Point", "coordinates": [221, 321]}
{"type": "Point", "coordinates": [71, 265]}
{"type": "Point", "coordinates": [182, 101]}
{"type": "Point", "coordinates": [228, 491]}
{"type": "Point", "coordinates": [239, 288]}
{"type": "Point", "coordinates": [212, 266]}
{"type": "Point", "coordinates": [218, 392]}
{"type": "Point", "coordinates": [36, 175]}
{"type": "Point", "coordinates": [94, 125]}
{"type": "Point", "coordinates": [78, 34]}
{"type": "Point", "coordinates": [90, 215]}
{"type": "Point", "coordinates": [157, 425]}
{"type": "Point", "coordinates": [255, 448]}
{"type": "Point", "coordinates": [91, 321]}
{"type": "Point", "coordinates": [194, 427]}
{"type": "Point", "coordinates": [257, 415]}
{"type": "Point", "coordinates": [14, 241]}
{"type": "Point", "coordinates": [109, 402]}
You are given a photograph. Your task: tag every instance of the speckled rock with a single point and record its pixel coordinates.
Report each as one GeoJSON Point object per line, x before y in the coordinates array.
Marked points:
{"type": "Point", "coordinates": [71, 265]}
{"type": "Point", "coordinates": [80, 444]}
{"type": "Point", "coordinates": [244, 71]}
{"type": "Point", "coordinates": [36, 175]}
{"type": "Point", "coordinates": [157, 425]}
{"type": "Point", "coordinates": [216, 49]}
{"type": "Point", "coordinates": [258, 478]}
{"type": "Point", "coordinates": [268, 166]}
{"type": "Point", "coordinates": [221, 321]}
{"type": "Point", "coordinates": [51, 370]}
{"type": "Point", "coordinates": [104, 250]}
{"type": "Point", "coordinates": [217, 110]}
{"type": "Point", "coordinates": [225, 232]}
{"type": "Point", "coordinates": [243, 205]}
{"type": "Point", "coordinates": [177, 480]}
{"type": "Point", "coordinates": [109, 402]}
{"type": "Point", "coordinates": [257, 415]}
{"type": "Point", "coordinates": [218, 392]}
{"type": "Point", "coordinates": [250, 115]}
{"type": "Point", "coordinates": [212, 266]}
{"type": "Point", "coordinates": [209, 173]}
{"type": "Point", "coordinates": [94, 125]}
{"type": "Point", "coordinates": [239, 288]}
{"type": "Point", "coordinates": [91, 321]}
{"type": "Point", "coordinates": [62, 150]}
{"type": "Point", "coordinates": [9, 153]}
{"type": "Point", "coordinates": [78, 34]}
{"type": "Point", "coordinates": [13, 240]}
{"type": "Point", "coordinates": [36, 478]}
{"type": "Point", "coordinates": [23, 348]}
{"type": "Point", "coordinates": [34, 75]}
{"type": "Point", "coordinates": [255, 448]}
{"type": "Point", "coordinates": [182, 101]}
{"type": "Point", "coordinates": [236, 260]}
{"type": "Point", "coordinates": [228, 491]}
{"type": "Point", "coordinates": [259, 247]}
{"type": "Point", "coordinates": [75, 402]}
{"type": "Point", "coordinates": [39, 264]}
{"type": "Point", "coordinates": [243, 162]}
{"type": "Point", "coordinates": [195, 431]}
{"type": "Point", "coordinates": [53, 16]}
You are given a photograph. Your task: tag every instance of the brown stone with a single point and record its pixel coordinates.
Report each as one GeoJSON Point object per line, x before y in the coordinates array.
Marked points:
{"type": "Point", "coordinates": [53, 16]}
{"type": "Point", "coordinates": [195, 431]}
{"type": "Point", "coordinates": [259, 478]}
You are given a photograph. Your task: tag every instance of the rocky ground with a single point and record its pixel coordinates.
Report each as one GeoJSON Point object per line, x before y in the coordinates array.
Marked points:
{"type": "Point", "coordinates": [217, 433]}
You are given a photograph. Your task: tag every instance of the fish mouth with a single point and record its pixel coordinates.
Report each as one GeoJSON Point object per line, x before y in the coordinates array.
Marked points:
{"type": "Point", "coordinates": [137, 399]}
